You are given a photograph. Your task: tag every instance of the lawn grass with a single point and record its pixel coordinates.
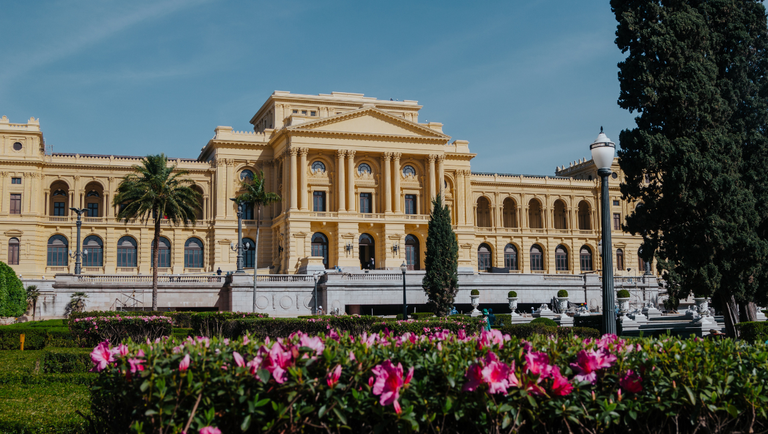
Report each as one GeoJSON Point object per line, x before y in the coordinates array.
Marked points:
{"type": "Point", "coordinates": [33, 402]}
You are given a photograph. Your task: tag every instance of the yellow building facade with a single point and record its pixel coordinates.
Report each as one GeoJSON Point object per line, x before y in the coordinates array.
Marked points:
{"type": "Point", "coordinates": [356, 176]}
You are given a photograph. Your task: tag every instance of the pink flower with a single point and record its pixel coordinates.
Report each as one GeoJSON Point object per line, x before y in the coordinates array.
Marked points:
{"type": "Point", "coordinates": [488, 338]}
{"type": "Point", "coordinates": [589, 362]}
{"type": "Point", "coordinates": [137, 365]}
{"type": "Point", "coordinates": [560, 385]}
{"type": "Point", "coordinates": [238, 359]}
{"type": "Point", "coordinates": [389, 380]}
{"type": "Point", "coordinates": [351, 355]}
{"type": "Point", "coordinates": [631, 382]}
{"type": "Point", "coordinates": [537, 363]}
{"type": "Point", "coordinates": [120, 350]}
{"type": "Point", "coordinates": [461, 334]}
{"type": "Point", "coordinates": [333, 376]}
{"type": "Point", "coordinates": [210, 430]}
{"type": "Point", "coordinates": [279, 360]}
{"type": "Point", "coordinates": [496, 375]}
{"type": "Point", "coordinates": [184, 364]}
{"type": "Point", "coordinates": [475, 378]}
{"type": "Point", "coordinates": [254, 365]}
{"type": "Point", "coordinates": [370, 382]}
{"type": "Point", "coordinates": [314, 342]}
{"type": "Point", "coordinates": [101, 356]}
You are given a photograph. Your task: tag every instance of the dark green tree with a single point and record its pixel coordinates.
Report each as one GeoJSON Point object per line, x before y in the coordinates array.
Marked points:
{"type": "Point", "coordinates": [695, 73]}
{"type": "Point", "coordinates": [254, 194]}
{"type": "Point", "coordinates": [13, 301]}
{"type": "Point", "coordinates": [156, 191]}
{"type": "Point", "coordinates": [441, 281]}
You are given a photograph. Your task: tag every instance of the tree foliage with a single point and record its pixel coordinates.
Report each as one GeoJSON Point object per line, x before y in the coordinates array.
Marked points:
{"type": "Point", "coordinates": [442, 260]}
{"type": "Point", "coordinates": [158, 191]}
{"type": "Point", "coordinates": [13, 301]}
{"type": "Point", "coordinates": [695, 73]}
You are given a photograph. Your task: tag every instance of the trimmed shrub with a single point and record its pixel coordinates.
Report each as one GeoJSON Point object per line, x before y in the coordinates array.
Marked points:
{"type": "Point", "coordinates": [623, 293]}
{"type": "Point", "coordinates": [426, 327]}
{"type": "Point", "coordinates": [502, 319]}
{"type": "Point", "coordinates": [181, 319]}
{"type": "Point", "coordinates": [260, 328]}
{"type": "Point", "coordinates": [182, 332]}
{"type": "Point", "coordinates": [300, 384]}
{"type": "Point", "coordinates": [212, 323]}
{"type": "Point", "coordinates": [93, 330]}
{"type": "Point", "coordinates": [416, 315]}
{"type": "Point", "coordinates": [511, 294]}
{"type": "Point", "coordinates": [562, 293]}
{"type": "Point", "coordinates": [13, 297]}
{"type": "Point", "coordinates": [525, 331]}
{"type": "Point", "coordinates": [34, 338]}
{"type": "Point", "coordinates": [63, 361]}
{"type": "Point", "coordinates": [475, 292]}
{"type": "Point", "coordinates": [544, 321]}
{"type": "Point", "coordinates": [592, 321]}
{"type": "Point", "coordinates": [753, 331]}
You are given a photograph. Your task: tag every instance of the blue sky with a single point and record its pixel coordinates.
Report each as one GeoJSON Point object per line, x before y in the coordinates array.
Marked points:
{"type": "Point", "coordinates": [528, 83]}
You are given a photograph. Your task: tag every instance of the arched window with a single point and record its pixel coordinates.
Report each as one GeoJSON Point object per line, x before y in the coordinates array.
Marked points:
{"type": "Point", "coordinates": [164, 261]}
{"type": "Point", "coordinates": [561, 258]}
{"type": "Point", "coordinates": [193, 253]}
{"type": "Point", "coordinates": [537, 258]}
{"type": "Point", "coordinates": [620, 259]}
{"type": "Point", "coordinates": [534, 215]}
{"type": "Point", "coordinates": [364, 168]}
{"type": "Point", "coordinates": [246, 175]}
{"type": "Point", "coordinates": [483, 212]}
{"type": "Point", "coordinates": [126, 252]}
{"type": "Point", "coordinates": [412, 254]}
{"type": "Point", "coordinates": [409, 171]}
{"type": "Point", "coordinates": [320, 247]}
{"type": "Point", "coordinates": [249, 253]}
{"type": "Point", "coordinates": [93, 252]}
{"type": "Point", "coordinates": [510, 213]}
{"type": "Point", "coordinates": [57, 251]}
{"type": "Point", "coordinates": [13, 251]}
{"type": "Point", "coordinates": [484, 257]}
{"type": "Point", "coordinates": [586, 258]}
{"type": "Point", "coordinates": [561, 216]}
{"type": "Point", "coordinates": [318, 166]}
{"type": "Point", "coordinates": [585, 219]}
{"type": "Point", "coordinates": [510, 257]}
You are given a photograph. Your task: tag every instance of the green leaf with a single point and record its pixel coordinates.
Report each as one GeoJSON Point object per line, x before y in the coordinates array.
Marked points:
{"type": "Point", "coordinates": [322, 411]}
{"type": "Point", "coordinates": [691, 396]}
{"type": "Point", "coordinates": [340, 415]}
{"type": "Point", "coordinates": [246, 423]}
{"type": "Point", "coordinates": [145, 385]}
{"type": "Point", "coordinates": [732, 410]}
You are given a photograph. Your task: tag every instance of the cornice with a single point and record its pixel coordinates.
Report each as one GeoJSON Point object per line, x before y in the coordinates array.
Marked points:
{"type": "Point", "coordinates": [366, 110]}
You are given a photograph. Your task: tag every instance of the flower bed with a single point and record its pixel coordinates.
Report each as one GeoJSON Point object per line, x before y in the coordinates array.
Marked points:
{"type": "Point", "coordinates": [439, 381]}
{"type": "Point", "coordinates": [117, 328]}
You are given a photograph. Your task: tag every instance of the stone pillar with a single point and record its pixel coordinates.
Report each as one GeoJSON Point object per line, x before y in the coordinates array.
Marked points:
{"type": "Point", "coordinates": [230, 211]}
{"type": "Point", "coordinates": [340, 181]}
{"type": "Point", "coordinates": [286, 180]}
{"type": "Point", "coordinates": [398, 173]}
{"type": "Point", "coordinates": [460, 203]}
{"type": "Point", "coordinates": [469, 198]}
{"type": "Point", "coordinates": [351, 181]}
{"type": "Point", "coordinates": [441, 175]}
{"type": "Point", "coordinates": [294, 178]}
{"type": "Point", "coordinates": [431, 176]}
{"type": "Point", "coordinates": [303, 178]}
{"type": "Point", "coordinates": [387, 182]}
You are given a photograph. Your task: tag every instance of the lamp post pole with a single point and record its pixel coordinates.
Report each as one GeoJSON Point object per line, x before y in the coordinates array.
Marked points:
{"type": "Point", "coordinates": [78, 254]}
{"type": "Point", "coordinates": [602, 155]}
{"type": "Point", "coordinates": [315, 297]}
{"type": "Point", "coordinates": [403, 268]}
{"type": "Point", "coordinates": [239, 236]}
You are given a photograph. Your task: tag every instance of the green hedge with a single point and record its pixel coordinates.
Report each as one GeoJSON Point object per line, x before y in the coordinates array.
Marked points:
{"type": "Point", "coordinates": [181, 319]}
{"type": "Point", "coordinates": [260, 328]}
{"type": "Point", "coordinates": [753, 331]}
{"type": "Point", "coordinates": [416, 315]}
{"type": "Point", "coordinates": [93, 330]}
{"type": "Point", "coordinates": [35, 338]}
{"type": "Point", "coordinates": [646, 385]}
{"type": "Point", "coordinates": [65, 361]}
{"type": "Point", "coordinates": [525, 331]}
{"type": "Point", "coordinates": [544, 321]}
{"type": "Point", "coordinates": [418, 327]}
{"type": "Point", "coordinates": [212, 323]}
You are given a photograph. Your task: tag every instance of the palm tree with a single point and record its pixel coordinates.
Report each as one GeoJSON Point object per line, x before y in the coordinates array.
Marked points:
{"type": "Point", "coordinates": [156, 191]}
{"type": "Point", "coordinates": [32, 295]}
{"type": "Point", "coordinates": [253, 194]}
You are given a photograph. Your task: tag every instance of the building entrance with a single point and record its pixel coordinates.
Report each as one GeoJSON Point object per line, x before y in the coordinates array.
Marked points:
{"type": "Point", "coordinates": [367, 250]}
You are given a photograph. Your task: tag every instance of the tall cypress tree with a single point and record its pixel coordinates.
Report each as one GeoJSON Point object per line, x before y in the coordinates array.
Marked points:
{"type": "Point", "coordinates": [441, 281]}
{"type": "Point", "coordinates": [695, 73]}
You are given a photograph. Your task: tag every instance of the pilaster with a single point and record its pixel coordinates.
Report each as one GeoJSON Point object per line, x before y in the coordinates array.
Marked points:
{"type": "Point", "coordinates": [387, 182]}
{"type": "Point", "coordinates": [341, 180]}
{"type": "Point", "coordinates": [431, 176]}
{"type": "Point", "coordinates": [303, 177]}
{"type": "Point", "coordinates": [294, 182]}
{"type": "Point", "coordinates": [351, 205]}
{"type": "Point", "coordinates": [398, 173]}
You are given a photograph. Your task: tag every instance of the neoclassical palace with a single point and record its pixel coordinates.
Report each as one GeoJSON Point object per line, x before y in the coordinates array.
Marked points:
{"type": "Point", "coordinates": [356, 176]}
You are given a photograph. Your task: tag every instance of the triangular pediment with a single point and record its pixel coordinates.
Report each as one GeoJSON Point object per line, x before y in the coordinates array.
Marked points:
{"type": "Point", "coordinates": [370, 121]}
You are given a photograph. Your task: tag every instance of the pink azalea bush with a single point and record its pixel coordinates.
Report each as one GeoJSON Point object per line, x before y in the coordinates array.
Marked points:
{"type": "Point", "coordinates": [434, 381]}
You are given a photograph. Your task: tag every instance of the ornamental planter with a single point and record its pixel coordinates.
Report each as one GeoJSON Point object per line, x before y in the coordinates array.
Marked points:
{"type": "Point", "coordinates": [475, 303]}
{"type": "Point", "coordinates": [623, 304]}
{"type": "Point", "coordinates": [702, 305]}
{"type": "Point", "coordinates": [562, 304]}
{"type": "Point", "coordinates": [513, 305]}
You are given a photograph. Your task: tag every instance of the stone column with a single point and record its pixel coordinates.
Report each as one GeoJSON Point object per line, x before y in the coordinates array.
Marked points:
{"type": "Point", "coordinates": [340, 181]}
{"type": "Point", "coordinates": [468, 197]}
{"type": "Point", "coordinates": [352, 206]}
{"type": "Point", "coordinates": [398, 171]}
{"type": "Point", "coordinates": [303, 178]}
{"type": "Point", "coordinates": [230, 187]}
{"type": "Point", "coordinates": [387, 182]}
{"type": "Point", "coordinates": [441, 175]}
{"type": "Point", "coordinates": [294, 178]}
{"type": "Point", "coordinates": [460, 203]}
{"type": "Point", "coordinates": [431, 176]}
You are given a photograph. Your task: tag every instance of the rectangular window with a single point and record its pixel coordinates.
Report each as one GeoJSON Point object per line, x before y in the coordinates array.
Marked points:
{"type": "Point", "coordinates": [58, 209]}
{"type": "Point", "coordinates": [15, 180]}
{"type": "Point", "coordinates": [318, 201]}
{"type": "Point", "coordinates": [616, 221]}
{"type": "Point", "coordinates": [13, 252]}
{"type": "Point", "coordinates": [410, 204]}
{"type": "Point", "coordinates": [93, 210]}
{"type": "Point", "coordinates": [615, 203]}
{"type": "Point", "coordinates": [15, 203]}
{"type": "Point", "coordinates": [313, 113]}
{"type": "Point", "coordinates": [295, 111]}
{"type": "Point", "coordinates": [365, 203]}
{"type": "Point", "coordinates": [304, 112]}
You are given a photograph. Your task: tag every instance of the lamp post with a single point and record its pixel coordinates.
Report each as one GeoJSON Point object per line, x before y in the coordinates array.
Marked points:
{"type": "Point", "coordinates": [602, 155]}
{"type": "Point", "coordinates": [78, 254]}
{"type": "Point", "coordinates": [316, 277]}
{"type": "Point", "coordinates": [239, 248]}
{"type": "Point", "coordinates": [404, 268]}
